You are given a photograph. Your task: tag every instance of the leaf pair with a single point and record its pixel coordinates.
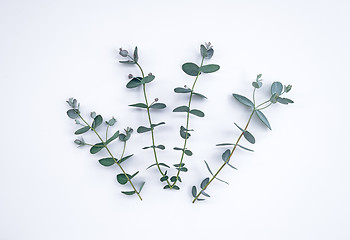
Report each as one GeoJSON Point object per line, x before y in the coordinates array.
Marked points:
{"type": "Point", "coordinates": [193, 69]}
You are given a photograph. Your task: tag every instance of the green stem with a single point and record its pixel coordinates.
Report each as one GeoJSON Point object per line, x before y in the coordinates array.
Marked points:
{"type": "Point", "coordinates": [105, 146]}
{"type": "Point", "coordinates": [187, 126]}
{"type": "Point", "coordinates": [150, 124]}
{"type": "Point", "coordinates": [228, 159]}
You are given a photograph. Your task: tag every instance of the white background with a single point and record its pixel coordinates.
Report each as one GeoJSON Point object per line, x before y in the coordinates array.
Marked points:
{"type": "Point", "coordinates": [294, 186]}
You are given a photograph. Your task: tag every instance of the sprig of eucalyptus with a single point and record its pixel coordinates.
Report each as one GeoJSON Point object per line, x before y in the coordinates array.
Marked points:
{"type": "Point", "coordinates": [194, 70]}
{"type": "Point", "coordinates": [142, 81]}
{"type": "Point", "coordinates": [277, 90]}
{"type": "Point", "coordinates": [122, 178]}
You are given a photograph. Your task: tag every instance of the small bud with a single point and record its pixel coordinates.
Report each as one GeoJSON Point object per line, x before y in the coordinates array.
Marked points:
{"type": "Point", "coordinates": [156, 99]}
{"type": "Point", "coordinates": [130, 76]}
{"type": "Point", "coordinates": [93, 114]}
{"type": "Point", "coordinates": [73, 103]}
{"type": "Point", "coordinates": [80, 142]}
{"type": "Point", "coordinates": [185, 86]}
{"type": "Point", "coordinates": [287, 88]}
{"type": "Point", "coordinates": [123, 53]}
{"type": "Point", "coordinates": [150, 74]}
{"type": "Point", "coordinates": [112, 121]}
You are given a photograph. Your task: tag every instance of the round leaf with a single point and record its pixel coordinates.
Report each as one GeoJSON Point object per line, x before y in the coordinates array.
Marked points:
{"type": "Point", "coordinates": [190, 69]}
{"type": "Point", "coordinates": [106, 162]}
{"type": "Point", "coordinates": [277, 88]}
{"type": "Point", "coordinates": [133, 83]}
{"type": "Point", "coordinates": [210, 68]}
{"type": "Point", "coordinates": [72, 113]}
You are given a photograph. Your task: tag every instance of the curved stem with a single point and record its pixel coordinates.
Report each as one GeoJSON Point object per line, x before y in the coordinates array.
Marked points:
{"type": "Point", "coordinates": [150, 124]}
{"type": "Point", "coordinates": [187, 125]}
{"type": "Point", "coordinates": [228, 159]}
{"type": "Point", "coordinates": [105, 146]}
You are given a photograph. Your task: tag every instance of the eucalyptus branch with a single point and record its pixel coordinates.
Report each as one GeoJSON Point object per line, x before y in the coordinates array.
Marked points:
{"type": "Point", "coordinates": [122, 178]}
{"type": "Point", "coordinates": [276, 93]}
{"type": "Point", "coordinates": [193, 70]}
{"type": "Point", "coordinates": [136, 82]}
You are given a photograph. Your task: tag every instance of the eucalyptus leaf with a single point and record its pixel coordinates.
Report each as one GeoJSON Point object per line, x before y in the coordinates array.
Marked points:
{"type": "Point", "coordinates": [276, 88]}
{"type": "Point", "coordinates": [239, 127]}
{"type": "Point", "coordinates": [157, 124]}
{"type": "Point", "coordinates": [128, 192]}
{"type": "Point", "coordinates": [182, 90]}
{"type": "Point", "coordinates": [96, 148]}
{"type": "Point", "coordinates": [142, 184]}
{"type": "Point", "coordinates": [161, 147]}
{"type": "Point", "coordinates": [136, 55]}
{"type": "Point", "coordinates": [133, 83]}
{"type": "Point", "coordinates": [127, 62]}
{"type": "Point", "coordinates": [181, 109]}
{"type": "Point", "coordinates": [257, 84]}
{"type": "Point", "coordinates": [97, 121]}
{"type": "Point", "coordinates": [190, 68]}
{"type": "Point", "coordinates": [226, 155]}
{"type": "Point", "coordinates": [213, 174]}
{"type": "Point", "coordinates": [182, 169]}
{"type": "Point", "coordinates": [194, 191]}
{"type": "Point", "coordinates": [158, 106]}
{"type": "Point", "coordinates": [82, 130]}
{"type": "Point", "coordinates": [148, 79]}
{"type": "Point", "coordinates": [203, 50]}
{"type": "Point", "coordinates": [197, 112]}
{"type": "Point", "coordinates": [160, 164]}
{"type": "Point", "coordinates": [263, 118]}
{"type": "Point", "coordinates": [210, 53]}
{"type": "Point", "coordinates": [250, 138]}
{"type": "Point", "coordinates": [164, 178]}
{"type": "Point", "coordinates": [139, 105]}
{"type": "Point", "coordinates": [176, 187]}
{"type": "Point", "coordinates": [72, 113]}
{"type": "Point", "coordinates": [179, 165]}
{"type": "Point", "coordinates": [204, 183]}
{"type": "Point", "coordinates": [210, 68]}
{"type": "Point", "coordinates": [122, 179]}
{"type": "Point", "coordinates": [188, 152]}
{"type": "Point", "coordinates": [125, 158]}
{"type": "Point", "coordinates": [115, 136]}
{"type": "Point", "coordinates": [177, 148]}
{"type": "Point", "coordinates": [205, 194]}
{"type": "Point", "coordinates": [106, 162]}
{"type": "Point", "coordinates": [199, 95]}
{"type": "Point", "coordinates": [143, 129]}
{"type": "Point", "coordinates": [183, 133]}
{"type": "Point", "coordinates": [243, 100]}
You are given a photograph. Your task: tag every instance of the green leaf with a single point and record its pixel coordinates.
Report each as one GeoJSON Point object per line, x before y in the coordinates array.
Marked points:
{"type": "Point", "coordinates": [166, 187]}
{"type": "Point", "coordinates": [82, 130]}
{"type": "Point", "coordinates": [194, 191]}
{"type": "Point", "coordinates": [161, 147]}
{"type": "Point", "coordinates": [122, 179]}
{"type": "Point", "coordinates": [127, 62]}
{"type": "Point", "coordinates": [210, 68]}
{"type": "Point", "coordinates": [179, 165]}
{"type": "Point", "coordinates": [125, 158]}
{"type": "Point", "coordinates": [164, 178]}
{"type": "Point", "coordinates": [250, 138]}
{"type": "Point", "coordinates": [136, 56]}
{"type": "Point", "coordinates": [132, 176]}
{"type": "Point", "coordinates": [96, 148]}
{"type": "Point", "coordinates": [277, 88]}
{"type": "Point", "coordinates": [262, 117]}
{"type": "Point", "coordinates": [243, 100]}
{"type": "Point", "coordinates": [197, 112]}
{"type": "Point", "coordinates": [205, 194]}
{"type": "Point", "coordinates": [239, 127]}
{"type": "Point", "coordinates": [115, 136]}
{"type": "Point", "coordinates": [199, 95]}
{"type": "Point", "coordinates": [157, 124]}
{"type": "Point", "coordinates": [106, 162]}
{"type": "Point", "coordinates": [284, 100]}
{"type": "Point", "coordinates": [257, 84]}
{"type": "Point", "coordinates": [274, 97]}
{"type": "Point", "coordinates": [97, 121]}
{"type": "Point", "coordinates": [142, 184]}
{"type": "Point", "coordinates": [213, 174]}
{"type": "Point", "coordinates": [245, 148]}
{"type": "Point", "coordinates": [183, 133]}
{"type": "Point", "coordinates": [176, 187]}
{"type": "Point", "coordinates": [176, 148]}
{"type": "Point", "coordinates": [227, 144]}
{"type": "Point", "coordinates": [288, 100]}
{"type": "Point", "coordinates": [182, 169]}
{"type": "Point", "coordinates": [190, 69]}
{"type": "Point", "coordinates": [148, 79]}
{"type": "Point", "coordinates": [143, 129]}
{"type": "Point", "coordinates": [210, 53]}
{"type": "Point", "coordinates": [182, 90]}
{"type": "Point", "coordinates": [158, 106]}
{"type": "Point", "coordinates": [160, 164]}
{"type": "Point", "coordinates": [128, 192]}
{"type": "Point", "coordinates": [133, 83]}
{"type": "Point", "coordinates": [72, 113]}
{"type": "Point", "coordinates": [181, 109]}
{"type": "Point", "coordinates": [188, 153]}
{"type": "Point", "coordinates": [203, 51]}
{"type": "Point", "coordinates": [226, 155]}
{"type": "Point", "coordinates": [140, 105]}
{"type": "Point", "coordinates": [204, 183]}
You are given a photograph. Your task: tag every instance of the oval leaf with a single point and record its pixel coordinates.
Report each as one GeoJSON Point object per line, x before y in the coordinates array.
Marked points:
{"type": "Point", "coordinates": [210, 68]}
{"type": "Point", "coordinates": [97, 121]}
{"type": "Point", "coordinates": [133, 83]}
{"type": "Point", "coordinates": [204, 183]}
{"type": "Point", "coordinates": [188, 153]}
{"type": "Point", "coordinates": [194, 191]}
{"type": "Point", "coordinates": [197, 112]}
{"type": "Point", "coordinates": [143, 129]}
{"type": "Point", "coordinates": [181, 109]}
{"type": "Point", "coordinates": [106, 162]}
{"type": "Point", "coordinates": [226, 155]}
{"type": "Point", "coordinates": [82, 130]}
{"type": "Point", "coordinates": [148, 79]}
{"type": "Point", "coordinates": [250, 138]}
{"type": "Point", "coordinates": [182, 90]}
{"type": "Point", "coordinates": [158, 106]}
{"type": "Point", "coordinates": [140, 105]}
{"type": "Point", "coordinates": [122, 179]}
{"type": "Point", "coordinates": [262, 117]}
{"type": "Point", "coordinates": [128, 192]}
{"type": "Point", "coordinates": [96, 148]}
{"type": "Point", "coordinates": [190, 69]}
{"type": "Point", "coordinates": [277, 88]}
{"type": "Point", "coordinates": [72, 113]}
{"type": "Point", "coordinates": [243, 100]}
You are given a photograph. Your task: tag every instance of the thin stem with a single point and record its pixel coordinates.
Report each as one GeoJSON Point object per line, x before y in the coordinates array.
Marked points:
{"type": "Point", "coordinates": [150, 124]}
{"type": "Point", "coordinates": [121, 156]}
{"type": "Point", "coordinates": [107, 133]}
{"type": "Point", "coordinates": [228, 159]}
{"type": "Point", "coordinates": [254, 96]}
{"type": "Point", "coordinates": [265, 107]}
{"type": "Point", "coordinates": [187, 125]}
{"type": "Point", "coordinates": [105, 146]}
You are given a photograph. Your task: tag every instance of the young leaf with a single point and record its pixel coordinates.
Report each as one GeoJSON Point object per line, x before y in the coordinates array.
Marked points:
{"type": "Point", "coordinates": [226, 155]}
{"type": "Point", "coordinates": [125, 158]}
{"type": "Point", "coordinates": [166, 187]}
{"type": "Point", "coordinates": [143, 129]}
{"type": "Point", "coordinates": [190, 69]}
{"type": "Point", "coordinates": [210, 53]}
{"type": "Point", "coordinates": [176, 187]}
{"type": "Point", "coordinates": [181, 109]}
{"type": "Point", "coordinates": [96, 148]}
{"type": "Point", "coordinates": [262, 117]}
{"type": "Point", "coordinates": [257, 84]}
{"type": "Point", "coordinates": [128, 192]}
{"type": "Point", "coordinates": [276, 88]}
{"type": "Point", "coordinates": [182, 90]}
{"type": "Point", "coordinates": [97, 121]}
{"type": "Point", "coordinates": [148, 79]}
{"type": "Point", "coordinates": [250, 138]}
{"type": "Point", "coordinates": [72, 113]}
{"type": "Point", "coordinates": [204, 183]}
{"type": "Point", "coordinates": [228, 144]}
{"type": "Point", "coordinates": [194, 191]}
{"type": "Point", "coordinates": [82, 130]}
{"type": "Point", "coordinates": [160, 164]}
{"type": "Point", "coordinates": [133, 83]}
{"type": "Point", "coordinates": [158, 106]}
{"type": "Point", "coordinates": [188, 153]}
{"type": "Point", "coordinates": [136, 56]}
{"type": "Point", "coordinates": [183, 133]}
{"type": "Point", "coordinates": [288, 100]}
{"type": "Point", "coordinates": [140, 105]}
{"type": "Point", "coordinates": [203, 51]}
{"type": "Point", "coordinates": [106, 162]}
{"type": "Point", "coordinates": [210, 68]}
{"type": "Point", "coordinates": [243, 100]}
{"type": "Point", "coordinates": [197, 112]}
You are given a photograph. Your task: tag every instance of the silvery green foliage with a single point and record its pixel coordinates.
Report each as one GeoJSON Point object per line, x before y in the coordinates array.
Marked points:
{"type": "Point", "coordinates": [277, 90]}
{"type": "Point", "coordinates": [122, 178]}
